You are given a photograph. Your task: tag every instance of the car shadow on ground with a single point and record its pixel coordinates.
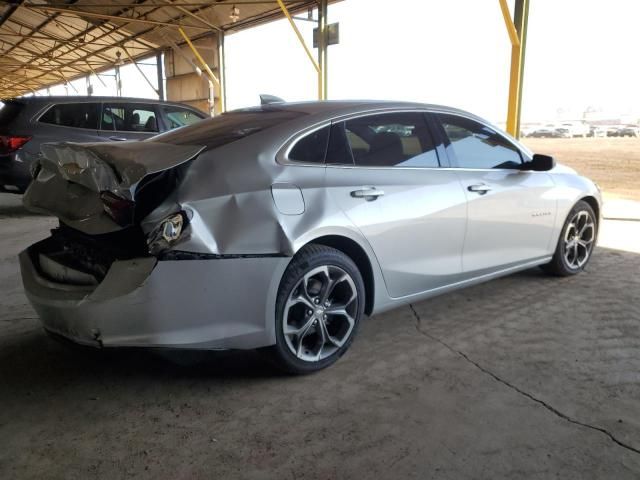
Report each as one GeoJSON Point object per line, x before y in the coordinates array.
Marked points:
{"type": "Point", "coordinates": [37, 358]}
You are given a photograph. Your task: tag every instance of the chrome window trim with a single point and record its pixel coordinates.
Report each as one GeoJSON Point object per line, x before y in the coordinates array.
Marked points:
{"type": "Point", "coordinates": [450, 169]}
{"type": "Point", "coordinates": [282, 157]}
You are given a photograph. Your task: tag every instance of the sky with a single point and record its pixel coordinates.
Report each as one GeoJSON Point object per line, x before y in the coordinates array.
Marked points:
{"type": "Point", "coordinates": [581, 54]}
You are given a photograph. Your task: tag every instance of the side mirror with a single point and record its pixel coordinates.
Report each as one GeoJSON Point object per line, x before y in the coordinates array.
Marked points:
{"type": "Point", "coordinates": [539, 163]}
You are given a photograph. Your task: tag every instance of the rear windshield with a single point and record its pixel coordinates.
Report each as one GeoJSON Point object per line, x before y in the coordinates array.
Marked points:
{"type": "Point", "coordinates": [229, 127]}
{"type": "Point", "coordinates": [9, 111]}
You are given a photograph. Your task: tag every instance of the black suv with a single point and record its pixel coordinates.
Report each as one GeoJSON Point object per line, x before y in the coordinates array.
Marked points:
{"type": "Point", "coordinates": [26, 123]}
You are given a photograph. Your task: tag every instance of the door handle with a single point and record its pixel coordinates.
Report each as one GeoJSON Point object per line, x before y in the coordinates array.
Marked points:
{"type": "Point", "coordinates": [118, 139]}
{"type": "Point", "coordinates": [369, 194]}
{"type": "Point", "coordinates": [481, 188]}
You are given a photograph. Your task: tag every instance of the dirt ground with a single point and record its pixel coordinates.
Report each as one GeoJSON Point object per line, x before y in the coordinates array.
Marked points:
{"type": "Point", "coordinates": [524, 377]}
{"type": "Point", "coordinates": [613, 163]}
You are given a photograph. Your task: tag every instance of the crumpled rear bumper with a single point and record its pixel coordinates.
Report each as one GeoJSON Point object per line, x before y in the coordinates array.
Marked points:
{"type": "Point", "coordinates": [211, 304]}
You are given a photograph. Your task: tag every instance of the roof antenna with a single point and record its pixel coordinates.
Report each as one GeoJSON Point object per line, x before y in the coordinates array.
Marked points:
{"type": "Point", "coordinates": [266, 99]}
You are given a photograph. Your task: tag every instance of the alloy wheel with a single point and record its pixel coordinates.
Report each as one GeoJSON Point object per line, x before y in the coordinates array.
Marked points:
{"type": "Point", "coordinates": [320, 313]}
{"type": "Point", "coordinates": [578, 239]}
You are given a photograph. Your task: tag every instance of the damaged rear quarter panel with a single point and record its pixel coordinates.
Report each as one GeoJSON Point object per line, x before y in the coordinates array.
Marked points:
{"type": "Point", "coordinates": [227, 196]}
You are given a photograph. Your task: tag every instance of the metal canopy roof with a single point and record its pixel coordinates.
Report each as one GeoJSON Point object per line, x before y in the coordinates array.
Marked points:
{"type": "Point", "coordinates": [46, 42]}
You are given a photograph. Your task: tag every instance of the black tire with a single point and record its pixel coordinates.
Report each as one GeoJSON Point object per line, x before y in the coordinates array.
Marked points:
{"type": "Point", "coordinates": [560, 265]}
{"type": "Point", "coordinates": [309, 259]}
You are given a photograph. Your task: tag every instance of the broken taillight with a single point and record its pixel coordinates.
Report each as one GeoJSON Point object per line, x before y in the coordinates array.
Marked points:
{"type": "Point", "coordinates": [119, 209]}
{"type": "Point", "coordinates": [11, 143]}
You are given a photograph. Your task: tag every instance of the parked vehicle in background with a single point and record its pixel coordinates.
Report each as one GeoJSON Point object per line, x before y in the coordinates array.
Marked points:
{"type": "Point", "coordinates": [573, 129]}
{"type": "Point", "coordinates": [546, 131]}
{"type": "Point", "coordinates": [614, 130]}
{"type": "Point", "coordinates": [281, 226]}
{"type": "Point", "coordinates": [527, 130]}
{"type": "Point", "coordinates": [597, 131]}
{"type": "Point", "coordinates": [629, 131]}
{"type": "Point", "coordinates": [26, 123]}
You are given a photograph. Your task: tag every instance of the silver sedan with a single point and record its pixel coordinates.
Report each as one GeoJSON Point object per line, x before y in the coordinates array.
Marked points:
{"type": "Point", "coordinates": [281, 226]}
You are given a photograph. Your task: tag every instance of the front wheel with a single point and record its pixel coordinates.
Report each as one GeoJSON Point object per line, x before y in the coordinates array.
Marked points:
{"type": "Point", "coordinates": [319, 306]}
{"type": "Point", "coordinates": [576, 242]}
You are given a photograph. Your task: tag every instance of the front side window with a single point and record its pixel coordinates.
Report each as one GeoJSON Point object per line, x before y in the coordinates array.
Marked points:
{"type": "Point", "coordinates": [311, 148]}
{"type": "Point", "coordinates": [179, 117]}
{"type": "Point", "coordinates": [128, 118]}
{"type": "Point", "coordinates": [391, 140]}
{"type": "Point", "coordinates": [477, 146]}
{"type": "Point", "coordinates": [77, 115]}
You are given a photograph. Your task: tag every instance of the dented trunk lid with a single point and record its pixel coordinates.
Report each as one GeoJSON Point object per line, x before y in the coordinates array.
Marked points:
{"type": "Point", "coordinates": [73, 178]}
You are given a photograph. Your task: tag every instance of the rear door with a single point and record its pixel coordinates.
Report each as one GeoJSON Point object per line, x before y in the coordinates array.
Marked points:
{"type": "Point", "coordinates": [128, 121]}
{"type": "Point", "coordinates": [511, 212]}
{"type": "Point", "coordinates": [384, 171]}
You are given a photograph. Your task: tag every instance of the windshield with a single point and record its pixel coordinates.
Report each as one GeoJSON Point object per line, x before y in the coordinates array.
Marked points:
{"type": "Point", "coordinates": [226, 128]}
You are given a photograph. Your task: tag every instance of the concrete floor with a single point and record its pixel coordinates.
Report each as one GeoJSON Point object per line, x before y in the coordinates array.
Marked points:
{"type": "Point", "coordinates": [524, 377]}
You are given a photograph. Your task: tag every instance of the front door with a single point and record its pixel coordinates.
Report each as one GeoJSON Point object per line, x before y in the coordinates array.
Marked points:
{"type": "Point", "coordinates": [511, 212]}
{"type": "Point", "coordinates": [384, 173]}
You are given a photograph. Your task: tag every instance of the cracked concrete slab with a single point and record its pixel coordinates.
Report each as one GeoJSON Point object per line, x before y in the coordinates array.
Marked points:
{"type": "Point", "coordinates": [485, 393]}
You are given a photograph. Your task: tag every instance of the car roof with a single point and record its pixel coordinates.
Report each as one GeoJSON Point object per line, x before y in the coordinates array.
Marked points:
{"type": "Point", "coordinates": [340, 106]}
{"type": "Point", "coordinates": [322, 110]}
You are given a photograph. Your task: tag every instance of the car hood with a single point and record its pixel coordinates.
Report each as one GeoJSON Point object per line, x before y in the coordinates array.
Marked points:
{"type": "Point", "coordinates": [561, 168]}
{"type": "Point", "coordinates": [71, 178]}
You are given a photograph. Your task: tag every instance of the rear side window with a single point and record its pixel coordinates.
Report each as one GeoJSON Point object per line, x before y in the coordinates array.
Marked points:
{"type": "Point", "coordinates": [179, 117]}
{"type": "Point", "coordinates": [311, 148]}
{"type": "Point", "coordinates": [228, 127]}
{"type": "Point", "coordinates": [129, 118]}
{"type": "Point", "coordinates": [391, 140]}
{"type": "Point", "coordinates": [477, 146]}
{"type": "Point", "coordinates": [9, 111]}
{"type": "Point", "coordinates": [77, 115]}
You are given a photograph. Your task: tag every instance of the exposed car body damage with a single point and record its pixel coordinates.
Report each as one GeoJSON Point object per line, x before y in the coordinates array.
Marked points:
{"type": "Point", "coordinates": [183, 239]}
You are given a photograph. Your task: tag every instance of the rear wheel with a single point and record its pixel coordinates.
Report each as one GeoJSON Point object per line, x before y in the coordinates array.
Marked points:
{"type": "Point", "coordinates": [576, 242]}
{"type": "Point", "coordinates": [319, 306]}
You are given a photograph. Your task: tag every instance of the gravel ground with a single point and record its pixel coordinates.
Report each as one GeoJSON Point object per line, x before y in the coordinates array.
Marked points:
{"type": "Point", "coordinates": [524, 377]}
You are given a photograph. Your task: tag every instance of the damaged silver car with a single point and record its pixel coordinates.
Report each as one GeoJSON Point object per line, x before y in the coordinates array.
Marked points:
{"type": "Point", "coordinates": [281, 226]}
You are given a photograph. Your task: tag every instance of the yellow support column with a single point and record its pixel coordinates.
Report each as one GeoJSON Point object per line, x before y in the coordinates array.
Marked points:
{"type": "Point", "coordinates": [317, 68]}
{"type": "Point", "coordinates": [517, 35]}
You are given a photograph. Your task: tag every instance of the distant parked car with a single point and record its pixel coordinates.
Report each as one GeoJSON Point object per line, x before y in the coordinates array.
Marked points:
{"type": "Point", "coordinates": [614, 130]}
{"type": "Point", "coordinates": [546, 131]}
{"type": "Point", "coordinates": [26, 123]}
{"type": "Point", "coordinates": [629, 131]}
{"type": "Point", "coordinates": [597, 131]}
{"type": "Point", "coordinates": [573, 129]}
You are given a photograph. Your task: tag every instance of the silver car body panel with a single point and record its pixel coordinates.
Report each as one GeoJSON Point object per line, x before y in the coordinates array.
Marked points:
{"type": "Point", "coordinates": [250, 210]}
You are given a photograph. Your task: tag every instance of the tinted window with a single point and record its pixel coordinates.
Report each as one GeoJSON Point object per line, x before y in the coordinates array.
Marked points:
{"type": "Point", "coordinates": [9, 111]}
{"type": "Point", "coordinates": [179, 117]}
{"type": "Point", "coordinates": [78, 115]}
{"type": "Point", "coordinates": [129, 118]}
{"type": "Point", "coordinates": [478, 146]}
{"type": "Point", "coordinates": [311, 148]}
{"type": "Point", "coordinates": [228, 127]}
{"type": "Point", "coordinates": [391, 140]}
